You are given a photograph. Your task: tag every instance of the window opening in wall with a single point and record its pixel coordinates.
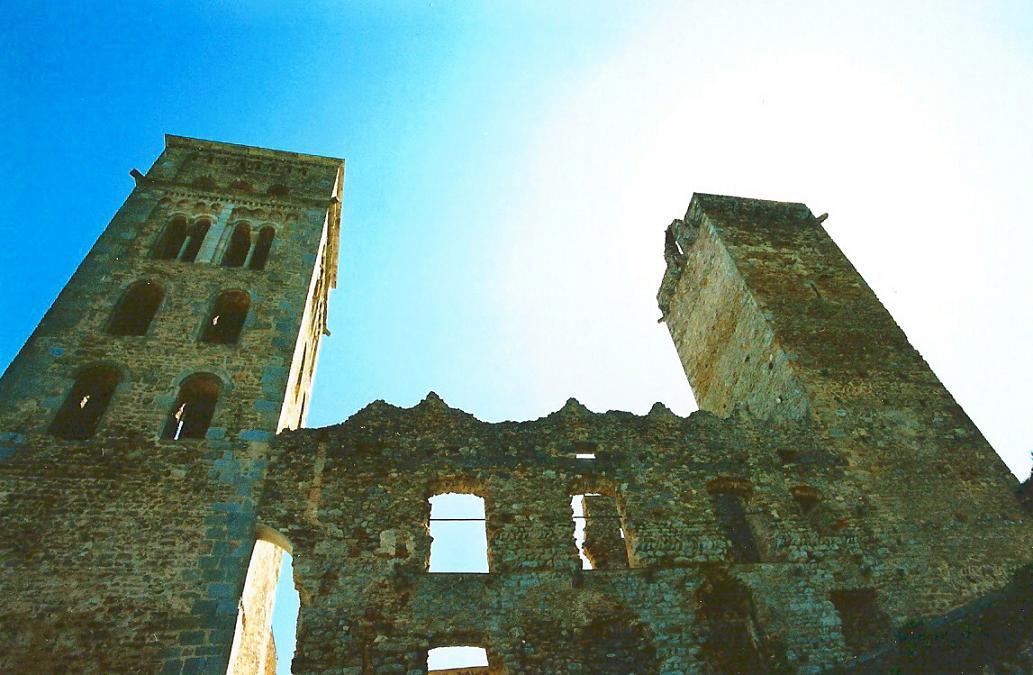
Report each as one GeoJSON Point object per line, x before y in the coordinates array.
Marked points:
{"type": "Point", "coordinates": [729, 507]}
{"type": "Point", "coordinates": [261, 253]}
{"type": "Point", "coordinates": [227, 318]}
{"type": "Point", "coordinates": [268, 610]}
{"type": "Point", "coordinates": [732, 643]}
{"type": "Point", "coordinates": [864, 625]}
{"type": "Point", "coordinates": [172, 239]}
{"type": "Point", "coordinates": [598, 532]}
{"type": "Point", "coordinates": [457, 529]}
{"type": "Point", "coordinates": [85, 404]}
{"type": "Point", "coordinates": [195, 238]}
{"type": "Point", "coordinates": [278, 190]}
{"type": "Point", "coordinates": [192, 413]}
{"type": "Point", "coordinates": [238, 246]}
{"type": "Point", "coordinates": [136, 309]}
{"type": "Point", "coordinates": [451, 658]}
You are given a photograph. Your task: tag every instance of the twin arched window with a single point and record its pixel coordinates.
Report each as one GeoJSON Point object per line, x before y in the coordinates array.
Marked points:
{"type": "Point", "coordinates": [240, 252]}
{"type": "Point", "coordinates": [135, 311]}
{"type": "Point", "coordinates": [182, 242]}
{"type": "Point", "coordinates": [86, 402]}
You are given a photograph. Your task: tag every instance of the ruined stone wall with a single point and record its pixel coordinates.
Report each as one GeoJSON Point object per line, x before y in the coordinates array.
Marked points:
{"type": "Point", "coordinates": [769, 315]}
{"type": "Point", "coordinates": [126, 552]}
{"type": "Point", "coordinates": [353, 501]}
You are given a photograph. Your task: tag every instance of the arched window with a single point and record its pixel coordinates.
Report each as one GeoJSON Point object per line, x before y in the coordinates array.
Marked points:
{"type": "Point", "coordinates": [86, 403]}
{"type": "Point", "coordinates": [171, 242]}
{"type": "Point", "coordinates": [192, 413]}
{"type": "Point", "coordinates": [136, 309]}
{"type": "Point", "coordinates": [194, 240]}
{"type": "Point", "coordinates": [261, 253]}
{"type": "Point", "coordinates": [227, 318]}
{"type": "Point", "coordinates": [457, 529]}
{"type": "Point", "coordinates": [238, 247]}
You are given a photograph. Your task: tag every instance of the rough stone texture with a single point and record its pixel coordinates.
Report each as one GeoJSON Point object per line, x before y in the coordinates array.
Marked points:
{"type": "Point", "coordinates": [126, 552]}
{"type": "Point", "coordinates": [835, 509]}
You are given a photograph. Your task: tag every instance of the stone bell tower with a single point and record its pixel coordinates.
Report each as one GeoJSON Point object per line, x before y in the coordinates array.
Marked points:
{"type": "Point", "coordinates": [135, 421]}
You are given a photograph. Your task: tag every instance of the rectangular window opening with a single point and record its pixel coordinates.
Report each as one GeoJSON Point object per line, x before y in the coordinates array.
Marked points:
{"type": "Point", "coordinates": [598, 532]}
{"type": "Point", "coordinates": [459, 541]}
{"type": "Point", "coordinates": [448, 659]}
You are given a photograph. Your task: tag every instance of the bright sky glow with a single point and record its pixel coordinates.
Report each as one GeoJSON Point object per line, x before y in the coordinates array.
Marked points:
{"type": "Point", "coordinates": [511, 168]}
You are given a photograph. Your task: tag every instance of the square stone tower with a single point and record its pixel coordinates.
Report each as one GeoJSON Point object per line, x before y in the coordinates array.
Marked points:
{"type": "Point", "coordinates": [135, 421]}
{"type": "Point", "coordinates": [770, 319]}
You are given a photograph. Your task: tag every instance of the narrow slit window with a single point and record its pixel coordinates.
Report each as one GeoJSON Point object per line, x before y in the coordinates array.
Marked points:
{"type": "Point", "coordinates": [730, 511]}
{"type": "Point", "coordinates": [227, 318]}
{"type": "Point", "coordinates": [262, 247]}
{"type": "Point", "coordinates": [457, 529]}
{"type": "Point", "coordinates": [171, 242]}
{"type": "Point", "coordinates": [450, 659]}
{"type": "Point", "coordinates": [136, 309]}
{"type": "Point", "coordinates": [599, 532]}
{"type": "Point", "coordinates": [192, 413]}
{"type": "Point", "coordinates": [85, 404]}
{"type": "Point", "coordinates": [238, 246]}
{"type": "Point", "coordinates": [195, 237]}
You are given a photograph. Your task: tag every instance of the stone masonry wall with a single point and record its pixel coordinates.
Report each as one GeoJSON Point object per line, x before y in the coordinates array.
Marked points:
{"type": "Point", "coordinates": [353, 502]}
{"type": "Point", "coordinates": [798, 334]}
{"type": "Point", "coordinates": [125, 552]}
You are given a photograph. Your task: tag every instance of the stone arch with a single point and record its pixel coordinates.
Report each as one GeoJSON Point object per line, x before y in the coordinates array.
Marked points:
{"type": "Point", "coordinates": [87, 401]}
{"type": "Point", "coordinates": [237, 244]}
{"type": "Point", "coordinates": [228, 315]}
{"type": "Point", "coordinates": [255, 609]}
{"type": "Point", "coordinates": [194, 408]}
{"type": "Point", "coordinates": [136, 308]}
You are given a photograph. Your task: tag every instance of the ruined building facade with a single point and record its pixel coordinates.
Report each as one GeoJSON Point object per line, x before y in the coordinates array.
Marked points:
{"type": "Point", "coordinates": [830, 507]}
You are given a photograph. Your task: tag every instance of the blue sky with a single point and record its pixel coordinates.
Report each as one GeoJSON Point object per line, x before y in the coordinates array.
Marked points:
{"type": "Point", "coordinates": [511, 167]}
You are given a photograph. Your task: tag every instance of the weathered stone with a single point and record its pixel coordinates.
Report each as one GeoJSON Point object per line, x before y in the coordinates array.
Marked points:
{"type": "Point", "coordinates": [834, 509]}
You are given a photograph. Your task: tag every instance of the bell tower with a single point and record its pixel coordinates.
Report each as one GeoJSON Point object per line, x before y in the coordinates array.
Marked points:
{"type": "Point", "coordinates": [136, 419]}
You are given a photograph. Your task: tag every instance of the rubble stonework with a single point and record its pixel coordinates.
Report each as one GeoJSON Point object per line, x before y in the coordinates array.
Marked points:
{"type": "Point", "coordinates": [125, 551]}
{"type": "Point", "coordinates": [830, 508]}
